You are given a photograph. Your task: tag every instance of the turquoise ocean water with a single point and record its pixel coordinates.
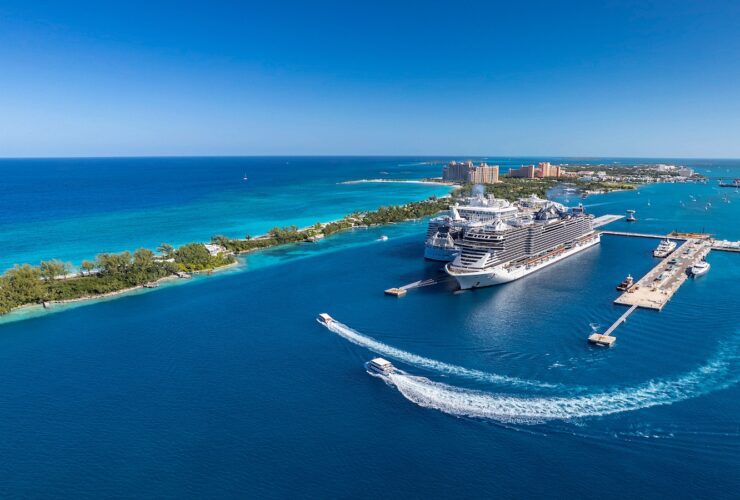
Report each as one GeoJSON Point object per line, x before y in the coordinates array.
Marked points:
{"type": "Point", "coordinates": [226, 386]}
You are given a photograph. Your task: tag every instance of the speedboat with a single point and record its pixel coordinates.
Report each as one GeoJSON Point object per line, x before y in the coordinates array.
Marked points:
{"type": "Point", "coordinates": [626, 284]}
{"type": "Point", "coordinates": [630, 216]}
{"type": "Point", "coordinates": [664, 248]}
{"type": "Point", "coordinates": [383, 238]}
{"type": "Point", "coordinates": [324, 319]}
{"type": "Point", "coordinates": [381, 366]}
{"type": "Point", "coordinates": [700, 268]}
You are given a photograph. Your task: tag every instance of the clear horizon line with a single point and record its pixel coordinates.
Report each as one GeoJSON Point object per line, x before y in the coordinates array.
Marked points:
{"type": "Point", "coordinates": [163, 156]}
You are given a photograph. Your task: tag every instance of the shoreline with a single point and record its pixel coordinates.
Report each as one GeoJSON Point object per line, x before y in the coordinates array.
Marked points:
{"type": "Point", "coordinates": [402, 181]}
{"type": "Point", "coordinates": [43, 308]}
{"type": "Point", "coordinates": [51, 308]}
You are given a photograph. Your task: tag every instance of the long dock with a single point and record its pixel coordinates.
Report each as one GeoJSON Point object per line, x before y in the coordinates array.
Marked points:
{"type": "Point", "coordinates": [606, 338]}
{"type": "Point", "coordinates": [657, 287]}
{"type": "Point", "coordinates": [605, 219]}
{"type": "Point", "coordinates": [638, 235]}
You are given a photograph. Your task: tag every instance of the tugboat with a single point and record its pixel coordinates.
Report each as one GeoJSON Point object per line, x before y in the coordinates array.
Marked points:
{"type": "Point", "coordinates": [324, 319]}
{"type": "Point", "coordinates": [700, 268]}
{"type": "Point", "coordinates": [630, 216]}
{"type": "Point", "coordinates": [380, 366]}
{"type": "Point", "coordinates": [626, 284]}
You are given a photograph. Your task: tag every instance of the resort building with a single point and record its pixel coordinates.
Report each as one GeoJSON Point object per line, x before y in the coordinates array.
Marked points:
{"type": "Point", "coordinates": [483, 174]}
{"type": "Point", "coordinates": [458, 171]}
{"type": "Point", "coordinates": [523, 172]}
{"type": "Point", "coordinates": [543, 169]}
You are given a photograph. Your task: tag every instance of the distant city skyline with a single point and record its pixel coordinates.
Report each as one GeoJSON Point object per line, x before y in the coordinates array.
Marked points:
{"type": "Point", "coordinates": [468, 79]}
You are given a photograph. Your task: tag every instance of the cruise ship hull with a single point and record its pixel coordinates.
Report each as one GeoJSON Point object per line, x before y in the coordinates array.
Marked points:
{"type": "Point", "coordinates": [442, 254]}
{"type": "Point", "coordinates": [498, 275]}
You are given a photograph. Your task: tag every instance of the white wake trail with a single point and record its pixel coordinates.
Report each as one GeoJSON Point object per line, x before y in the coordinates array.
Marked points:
{"type": "Point", "coordinates": [718, 374]}
{"type": "Point", "coordinates": [378, 347]}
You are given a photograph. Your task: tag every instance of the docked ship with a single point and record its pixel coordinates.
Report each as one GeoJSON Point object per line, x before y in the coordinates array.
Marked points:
{"type": "Point", "coordinates": [700, 268]}
{"type": "Point", "coordinates": [445, 233]}
{"type": "Point", "coordinates": [664, 248]}
{"type": "Point", "coordinates": [503, 251]}
{"type": "Point", "coordinates": [626, 284]}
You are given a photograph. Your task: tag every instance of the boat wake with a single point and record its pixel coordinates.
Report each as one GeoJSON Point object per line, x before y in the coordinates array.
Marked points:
{"type": "Point", "coordinates": [378, 347]}
{"type": "Point", "coordinates": [719, 373]}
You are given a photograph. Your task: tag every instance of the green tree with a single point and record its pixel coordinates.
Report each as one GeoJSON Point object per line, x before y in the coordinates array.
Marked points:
{"type": "Point", "coordinates": [87, 266]}
{"type": "Point", "coordinates": [220, 240]}
{"type": "Point", "coordinates": [23, 284]}
{"type": "Point", "coordinates": [166, 250]}
{"type": "Point", "coordinates": [193, 257]}
{"type": "Point", "coordinates": [114, 264]}
{"type": "Point", "coordinates": [50, 269]}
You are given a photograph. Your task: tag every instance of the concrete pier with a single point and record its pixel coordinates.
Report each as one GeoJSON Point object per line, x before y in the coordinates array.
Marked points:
{"type": "Point", "coordinates": [657, 287]}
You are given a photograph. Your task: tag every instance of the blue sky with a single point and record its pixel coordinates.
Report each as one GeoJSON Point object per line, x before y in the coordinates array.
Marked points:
{"type": "Point", "coordinates": [612, 78]}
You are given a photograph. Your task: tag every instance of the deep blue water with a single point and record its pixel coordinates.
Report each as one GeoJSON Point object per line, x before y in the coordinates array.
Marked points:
{"type": "Point", "coordinates": [226, 386]}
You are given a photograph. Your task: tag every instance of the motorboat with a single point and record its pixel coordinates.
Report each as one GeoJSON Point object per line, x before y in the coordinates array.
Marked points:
{"type": "Point", "coordinates": [700, 268]}
{"type": "Point", "coordinates": [324, 319]}
{"type": "Point", "coordinates": [380, 366]}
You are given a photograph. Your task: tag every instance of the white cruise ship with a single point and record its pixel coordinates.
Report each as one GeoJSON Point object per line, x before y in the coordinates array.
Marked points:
{"type": "Point", "coordinates": [503, 251]}
{"type": "Point", "coordinates": [664, 248]}
{"type": "Point", "coordinates": [445, 233]}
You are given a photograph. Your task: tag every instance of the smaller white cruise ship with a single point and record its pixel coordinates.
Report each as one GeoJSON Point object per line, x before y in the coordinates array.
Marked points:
{"type": "Point", "coordinates": [700, 268]}
{"type": "Point", "coordinates": [380, 366]}
{"type": "Point", "coordinates": [445, 233]}
{"type": "Point", "coordinates": [664, 248]}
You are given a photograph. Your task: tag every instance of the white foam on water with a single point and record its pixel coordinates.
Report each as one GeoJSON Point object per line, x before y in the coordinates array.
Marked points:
{"type": "Point", "coordinates": [376, 346]}
{"type": "Point", "coordinates": [718, 374]}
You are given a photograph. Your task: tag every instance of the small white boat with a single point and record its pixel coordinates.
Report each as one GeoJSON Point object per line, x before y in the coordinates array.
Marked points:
{"type": "Point", "coordinates": [324, 319]}
{"type": "Point", "coordinates": [630, 216]}
{"type": "Point", "coordinates": [245, 177]}
{"type": "Point", "coordinates": [700, 268]}
{"type": "Point", "coordinates": [383, 238]}
{"type": "Point", "coordinates": [664, 248]}
{"type": "Point", "coordinates": [380, 365]}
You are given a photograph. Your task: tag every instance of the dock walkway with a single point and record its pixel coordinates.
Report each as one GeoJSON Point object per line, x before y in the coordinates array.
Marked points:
{"type": "Point", "coordinates": [657, 287]}
{"type": "Point", "coordinates": [639, 235]}
{"type": "Point", "coordinates": [606, 338]}
{"type": "Point", "coordinates": [605, 219]}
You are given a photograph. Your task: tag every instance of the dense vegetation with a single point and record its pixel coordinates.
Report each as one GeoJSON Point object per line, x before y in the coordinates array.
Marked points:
{"type": "Point", "coordinates": [110, 272]}
{"type": "Point", "coordinates": [605, 186]}
{"type": "Point", "coordinates": [513, 189]}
